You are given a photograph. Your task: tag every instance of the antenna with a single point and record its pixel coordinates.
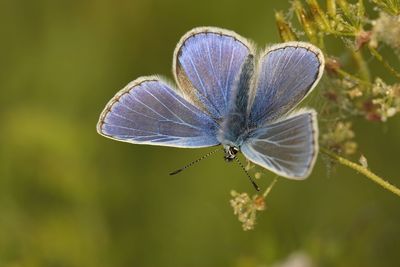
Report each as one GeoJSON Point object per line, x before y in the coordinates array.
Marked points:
{"type": "Point", "coordinates": [248, 175]}
{"type": "Point", "coordinates": [194, 162]}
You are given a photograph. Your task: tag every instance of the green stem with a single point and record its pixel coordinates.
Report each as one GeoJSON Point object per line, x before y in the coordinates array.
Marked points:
{"type": "Point", "coordinates": [379, 57]}
{"type": "Point", "coordinates": [359, 168]}
{"type": "Point", "coordinates": [362, 65]}
{"type": "Point", "coordinates": [341, 33]}
{"type": "Point", "coordinates": [347, 75]}
{"type": "Point", "coordinates": [266, 192]}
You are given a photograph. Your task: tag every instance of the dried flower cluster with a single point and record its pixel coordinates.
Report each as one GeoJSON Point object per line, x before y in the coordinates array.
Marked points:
{"type": "Point", "coordinates": [339, 138]}
{"type": "Point", "coordinates": [246, 207]}
{"type": "Point", "coordinates": [384, 32]}
{"type": "Point", "coordinates": [386, 99]}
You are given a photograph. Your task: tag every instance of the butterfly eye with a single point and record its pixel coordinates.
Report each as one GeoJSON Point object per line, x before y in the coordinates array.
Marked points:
{"type": "Point", "coordinates": [234, 150]}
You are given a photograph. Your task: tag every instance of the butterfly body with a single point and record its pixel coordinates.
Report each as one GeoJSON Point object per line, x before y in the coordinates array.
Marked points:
{"type": "Point", "coordinates": [227, 95]}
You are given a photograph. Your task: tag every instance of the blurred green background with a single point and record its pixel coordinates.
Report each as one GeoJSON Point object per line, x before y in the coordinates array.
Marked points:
{"type": "Point", "coordinates": [69, 197]}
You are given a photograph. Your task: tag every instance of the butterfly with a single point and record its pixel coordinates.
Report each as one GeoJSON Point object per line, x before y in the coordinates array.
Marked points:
{"type": "Point", "coordinates": [226, 95]}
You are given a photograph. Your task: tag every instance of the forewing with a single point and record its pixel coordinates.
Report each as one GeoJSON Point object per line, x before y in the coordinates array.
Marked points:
{"type": "Point", "coordinates": [287, 73]}
{"type": "Point", "coordinates": [206, 63]}
{"type": "Point", "coordinates": [148, 111]}
{"type": "Point", "coordinates": [288, 147]}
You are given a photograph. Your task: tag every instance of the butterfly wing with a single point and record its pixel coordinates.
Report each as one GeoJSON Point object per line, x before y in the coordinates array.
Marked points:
{"type": "Point", "coordinates": [288, 147]}
{"type": "Point", "coordinates": [148, 111]}
{"type": "Point", "coordinates": [206, 63]}
{"type": "Point", "coordinates": [287, 73]}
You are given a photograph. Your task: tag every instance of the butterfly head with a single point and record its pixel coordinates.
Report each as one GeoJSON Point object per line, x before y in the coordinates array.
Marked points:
{"type": "Point", "coordinates": [230, 152]}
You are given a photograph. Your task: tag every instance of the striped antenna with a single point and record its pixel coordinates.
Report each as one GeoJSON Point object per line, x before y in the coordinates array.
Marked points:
{"type": "Point", "coordinates": [248, 175]}
{"type": "Point", "coordinates": [195, 161]}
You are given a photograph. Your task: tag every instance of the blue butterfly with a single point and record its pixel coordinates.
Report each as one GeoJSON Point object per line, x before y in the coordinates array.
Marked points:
{"type": "Point", "coordinates": [226, 95]}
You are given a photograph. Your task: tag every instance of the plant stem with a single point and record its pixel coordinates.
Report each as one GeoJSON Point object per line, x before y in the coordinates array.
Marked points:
{"type": "Point", "coordinates": [379, 57]}
{"type": "Point", "coordinates": [266, 192]}
{"type": "Point", "coordinates": [359, 168]}
{"type": "Point", "coordinates": [362, 65]}
{"type": "Point", "coordinates": [347, 75]}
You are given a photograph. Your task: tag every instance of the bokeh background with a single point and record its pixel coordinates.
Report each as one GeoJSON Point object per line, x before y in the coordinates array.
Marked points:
{"type": "Point", "coordinates": [69, 197]}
